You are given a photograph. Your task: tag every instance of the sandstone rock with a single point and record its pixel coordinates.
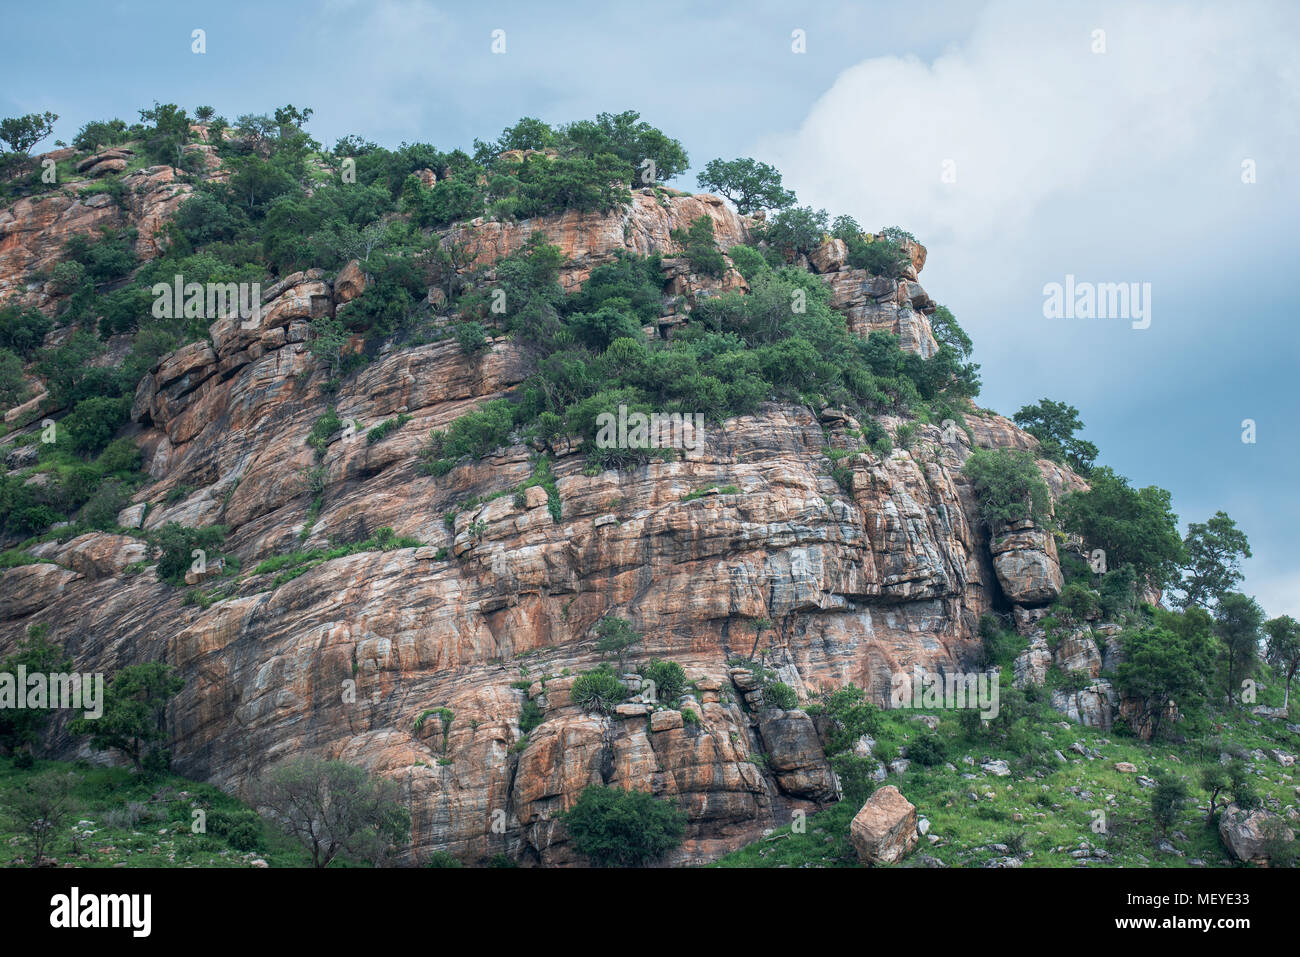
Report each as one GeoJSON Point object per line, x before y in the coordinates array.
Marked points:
{"type": "Point", "coordinates": [1281, 757]}
{"type": "Point", "coordinates": [22, 457]}
{"type": "Point", "coordinates": [1245, 833]}
{"type": "Point", "coordinates": [884, 831]}
{"type": "Point", "coordinates": [795, 755]}
{"type": "Point", "coordinates": [1025, 560]}
{"type": "Point", "coordinates": [1092, 707]}
{"type": "Point", "coordinates": [350, 282]}
{"type": "Point", "coordinates": [665, 720]}
{"type": "Point", "coordinates": [829, 256]}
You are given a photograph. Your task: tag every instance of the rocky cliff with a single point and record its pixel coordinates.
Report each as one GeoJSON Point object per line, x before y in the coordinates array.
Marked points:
{"type": "Point", "coordinates": [417, 662]}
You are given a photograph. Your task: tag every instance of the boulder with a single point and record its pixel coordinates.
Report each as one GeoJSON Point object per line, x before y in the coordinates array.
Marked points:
{"type": "Point", "coordinates": [350, 282]}
{"type": "Point", "coordinates": [884, 831]}
{"type": "Point", "coordinates": [1245, 834]}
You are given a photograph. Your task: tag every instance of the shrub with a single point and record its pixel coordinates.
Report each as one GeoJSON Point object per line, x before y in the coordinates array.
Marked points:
{"type": "Point", "coordinates": [23, 330]}
{"type": "Point", "coordinates": [530, 716]}
{"type": "Point", "coordinates": [927, 749]}
{"type": "Point", "coordinates": [93, 422]}
{"type": "Point", "coordinates": [668, 677]}
{"type": "Point", "coordinates": [175, 544]}
{"type": "Point", "coordinates": [598, 691]}
{"type": "Point", "coordinates": [778, 694]}
{"type": "Point", "coordinates": [1008, 486]}
{"type": "Point", "coordinates": [700, 247]}
{"type": "Point", "coordinates": [617, 828]}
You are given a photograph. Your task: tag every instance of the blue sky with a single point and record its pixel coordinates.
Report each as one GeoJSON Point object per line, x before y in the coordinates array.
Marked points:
{"type": "Point", "coordinates": [1115, 166]}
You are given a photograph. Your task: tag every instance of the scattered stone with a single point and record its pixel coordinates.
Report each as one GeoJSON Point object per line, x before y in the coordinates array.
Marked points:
{"type": "Point", "coordinates": [997, 768]}
{"type": "Point", "coordinates": [884, 831]}
{"type": "Point", "coordinates": [1124, 767]}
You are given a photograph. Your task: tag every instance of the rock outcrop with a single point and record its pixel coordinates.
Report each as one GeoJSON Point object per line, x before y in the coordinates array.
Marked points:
{"type": "Point", "coordinates": [884, 831]}
{"type": "Point", "coordinates": [350, 657]}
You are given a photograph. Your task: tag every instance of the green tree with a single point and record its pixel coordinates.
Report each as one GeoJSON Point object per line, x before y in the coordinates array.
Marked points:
{"type": "Point", "coordinates": [331, 807]}
{"type": "Point", "coordinates": [1164, 664]}
{"type": "Point", "coordinates": [749, 184]}
{"type": "Point", "coordinates": [1238, 620]}
{"type": "Point", "coordinates": [1214, 550]}
{"type": "Point", "coordinates": [615, 637]}
{"type": "Point", "coordinates": [22, 727]}
{"type": "Point", "coordinates": [1008, 486]}
{"type": "Point", "coordinates": [617, 828]}
{"type": "Point", "coordinates": [799, 229]}
{"type": "Point", "coordinates": [626, 136]}
{"type": "Point", "coordinates": [1054, 425]}
{"type": "Point", "coordinates": [24, 132]}
{"type": "Point", "coordinates": [1133, 527]}
{"type": "Point", "coordinates": [134, 719]}
{"type": "Point", "coordinates": [1283, 650]}
{"type": "Point", "coordinates": [39, 807]}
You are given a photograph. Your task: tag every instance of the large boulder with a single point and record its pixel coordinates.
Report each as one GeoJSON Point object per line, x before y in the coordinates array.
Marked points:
{"type": "Point", "coordinates": [795, 755]}
{"type": "Point", "coordinates": [1024, 558]}
{"type": "Point", "coordinates": [884, 831]}
{"type": "Point", "coordinates": [1245, 833]}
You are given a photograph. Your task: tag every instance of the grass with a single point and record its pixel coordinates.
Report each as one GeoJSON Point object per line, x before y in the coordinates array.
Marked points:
{"type": "Point", "coordinates": [118, 818]}
{"type": "Point", "coordinates": [1046, 807]}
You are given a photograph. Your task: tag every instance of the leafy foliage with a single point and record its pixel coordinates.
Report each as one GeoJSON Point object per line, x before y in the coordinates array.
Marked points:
{"type": "Point", "coordinates": [617, 828]}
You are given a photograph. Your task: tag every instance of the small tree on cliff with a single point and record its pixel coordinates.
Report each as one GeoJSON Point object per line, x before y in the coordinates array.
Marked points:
{"type": "Point", "coordinates": [617, 828]}
{"type": "Point", "coordinates": [1008, 486]}
{"type": "Point", "coordinates": [615, 638]}
{"type": "Point", "coordinates": [1284, 650]}
{"type": "Point", "coordinates": [749, 184]}
{"type": "Point", "coordinates": [24, 132]}
{"type": "Point", "coordinates": [331, 807]}
{"type": "Point", "coordinates": [134, 721]}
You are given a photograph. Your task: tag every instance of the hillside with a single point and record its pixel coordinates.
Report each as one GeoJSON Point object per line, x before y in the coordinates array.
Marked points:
{"type": "Point", "coordinates": [408, 541]}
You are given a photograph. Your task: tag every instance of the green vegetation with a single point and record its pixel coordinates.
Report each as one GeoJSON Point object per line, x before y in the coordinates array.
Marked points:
{"type": "Point", "coordinates": [1008, 487]}
{"type": "Point", "coordinates": [617, 828]}
{"type": "Point", "coordinates": [750, 185]}
{"type": "Point", "coordinates": [134, 721]}
{"type": "Point", "coordinates": [113, 817]}
{"type": "Point", "coordinates": [598, 690]}
{"type": "Point", "coordinates": [1054, 425]}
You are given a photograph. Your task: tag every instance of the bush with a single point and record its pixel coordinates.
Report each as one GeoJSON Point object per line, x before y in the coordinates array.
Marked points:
{"type": "Point", "coordinates": [530, 716]}
{"type": "Point", "coordinates": [598, 691]}
{"type": "Point", "coordinates": [1167, 800]}
{"type": "Point", "coordinates": [442, 859]}
{"type": "Point", "coordinates": [1008, 486]}
{"type": "Point", "coordinates": [778, 694]}
{"type": "Point", "coordinates": [748, 261]}
{"type": "Point", "coordinates": [94, 421]}
{"type": "Point", "coordinates": [471, 337]}
{"type": "Point", "coordinates": [23, 330]}
{"type": "Point", "coordinates": [175, 544]}
{"type": "Point", "coordinates": [668, 677]}
{"type": "Point", "coordinates": [700, 247]}
{"type": "Point", "coordinates": [617, 828]}
{"type": "Point", "coordinates": [927, 749]}
{"type": "Point", "coordinates": [855, 775]}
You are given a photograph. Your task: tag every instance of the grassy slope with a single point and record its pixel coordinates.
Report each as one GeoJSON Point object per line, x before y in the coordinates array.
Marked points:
{"type": "Point", "coordinates": [99, 831]}
{"type": "Point", "coordinates": [1055, 810]}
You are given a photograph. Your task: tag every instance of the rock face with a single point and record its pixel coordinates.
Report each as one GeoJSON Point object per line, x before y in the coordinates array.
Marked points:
{"type": "Point", "coordinates": [1245, 833]}
{"type": "Point", "coordinates": [349, 658]}
{"type": "Point", "coordinates": [884, 831]}
{"type": "Point", "coordinates": [34, 230]}
{"type": "Point", "coordinates": [1026, 563]}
